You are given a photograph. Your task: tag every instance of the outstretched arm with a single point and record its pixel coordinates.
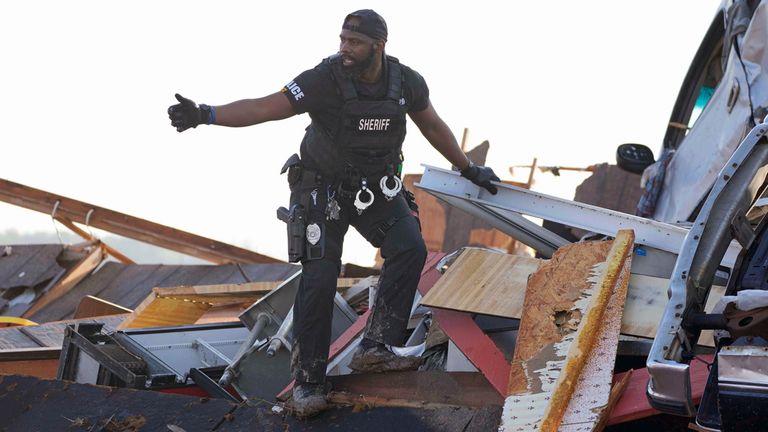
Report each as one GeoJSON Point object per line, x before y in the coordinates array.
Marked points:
{"type": "Point", "coordinates": [442, 139]}
{"type": "Point", "coordinates": [248, 112]}
{"type": "Point", "coordinates": [187, 114]}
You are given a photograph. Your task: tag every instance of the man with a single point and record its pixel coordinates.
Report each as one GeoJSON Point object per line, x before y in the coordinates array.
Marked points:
{"type": "Point", "coordinates": [348, 174]}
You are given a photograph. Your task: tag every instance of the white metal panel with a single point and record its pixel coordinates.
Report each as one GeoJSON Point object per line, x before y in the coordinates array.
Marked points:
{"type": "Point", "coordinates": [510, 200]}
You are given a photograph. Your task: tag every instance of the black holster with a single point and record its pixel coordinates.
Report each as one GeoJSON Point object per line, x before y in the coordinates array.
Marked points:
{"type": "Point", "coordinates": [296, 222]}
{"type": "Point", "coordinates": [301, 182]}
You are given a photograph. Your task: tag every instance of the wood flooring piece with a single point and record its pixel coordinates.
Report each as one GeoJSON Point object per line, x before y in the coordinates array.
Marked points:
{"type": "Point", "coordinates": [485, 282]}
{"type": "Point", "coordinates": [563, 314]}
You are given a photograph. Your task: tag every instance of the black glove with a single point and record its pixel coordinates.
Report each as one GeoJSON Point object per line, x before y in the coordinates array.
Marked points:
{"type": "Point", "coordinates": [186, 114]}
{"type": "Point", "coordinates": [481, 176]}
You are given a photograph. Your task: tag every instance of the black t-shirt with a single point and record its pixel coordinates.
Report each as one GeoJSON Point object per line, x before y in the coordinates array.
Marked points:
{"type": "Point", "coordinates": [315, 92]}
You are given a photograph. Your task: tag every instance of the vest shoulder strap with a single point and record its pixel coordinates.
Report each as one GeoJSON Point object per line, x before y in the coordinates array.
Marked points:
{"type": "Point", "coordinates": [395, 79]}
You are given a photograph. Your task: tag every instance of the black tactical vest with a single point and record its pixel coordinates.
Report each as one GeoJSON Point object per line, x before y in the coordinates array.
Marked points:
{"type": "Point", "coordinates": [370, 134]}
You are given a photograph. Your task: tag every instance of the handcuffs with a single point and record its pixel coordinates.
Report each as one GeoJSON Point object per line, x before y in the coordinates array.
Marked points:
{"type": "Point", "coordinates": [389, 193]}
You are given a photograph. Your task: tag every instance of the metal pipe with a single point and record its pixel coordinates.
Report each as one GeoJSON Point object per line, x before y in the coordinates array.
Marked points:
{"type": "Point", "coordinates": [261, 322]}
{"type": "Point", "coordinates": [278, 341]}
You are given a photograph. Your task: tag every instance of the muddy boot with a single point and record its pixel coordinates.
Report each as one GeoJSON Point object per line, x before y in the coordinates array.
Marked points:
{"type": "Point", "coordinates": [378, 358]}
{"type": "Point", "coordinates": [308, 400]}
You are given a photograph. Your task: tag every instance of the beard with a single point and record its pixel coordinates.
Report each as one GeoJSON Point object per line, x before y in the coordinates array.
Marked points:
{"type": "Point", "coordinates": [359, 66]}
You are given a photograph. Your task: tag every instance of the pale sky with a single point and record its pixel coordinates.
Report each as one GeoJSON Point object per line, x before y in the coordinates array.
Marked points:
{"type": "Point", "coordinates": [86, 84]}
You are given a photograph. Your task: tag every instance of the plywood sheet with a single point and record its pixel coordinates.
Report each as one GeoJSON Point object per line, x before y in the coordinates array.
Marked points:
{"type": "Point", "coordinates": [485, 282]}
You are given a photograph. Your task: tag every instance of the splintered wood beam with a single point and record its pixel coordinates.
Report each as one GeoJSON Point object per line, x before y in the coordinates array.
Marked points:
{"type": "Point", "coordinates": [590, 359]}
{"type": "Point", "coordinates": [127, 226]}
{"type": "Point", "coordinates": [108, 249]}
{"type": "Point", "coordinates": [71, 278]}
{"type": "Point", "coordinates": [562, 365]}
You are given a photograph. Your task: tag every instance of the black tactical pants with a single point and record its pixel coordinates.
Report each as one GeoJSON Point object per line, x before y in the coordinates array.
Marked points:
{"type": "Point", "coordinates": [385, 224]}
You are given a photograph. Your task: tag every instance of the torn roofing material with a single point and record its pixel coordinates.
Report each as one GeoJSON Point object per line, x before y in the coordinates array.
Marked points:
{"type": "Point", "coordinates": [128, 285]}
{"type": "Point", "coordinates": [28, 265]}
{"type": "Point", "coordinates": [27, 272]}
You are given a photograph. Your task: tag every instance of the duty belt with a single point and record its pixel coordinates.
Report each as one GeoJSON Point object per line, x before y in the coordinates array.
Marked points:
{"type": "Point", "coordinates": [352, 186]}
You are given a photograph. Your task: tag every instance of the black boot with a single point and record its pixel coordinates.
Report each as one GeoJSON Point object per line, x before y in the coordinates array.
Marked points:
{"type": "Point", "coordinates": [308, 399]}
{"type": "Point", "coordinates": [377, 358]}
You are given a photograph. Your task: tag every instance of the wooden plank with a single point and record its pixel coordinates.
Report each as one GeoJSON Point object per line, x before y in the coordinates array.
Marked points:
{"type": "Point", "coordinates": [451, 388]}
{"type": "Point", "coordinates": [69, 280]}
{"type": "Point", "coordinates": [199, 291]}
{"type": "Point", "coordinates": [563, 311]}
{"type": "Point", "coordinates": [127, 226]}
{"type": "Point", "coordinates": [593, 390]}
{"type": "Point", "coordinates": [485, 282]}
{"type": "Point", "coordinates": [107, 248]}
{"type": "Point", "coordinates": [91, 306]}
